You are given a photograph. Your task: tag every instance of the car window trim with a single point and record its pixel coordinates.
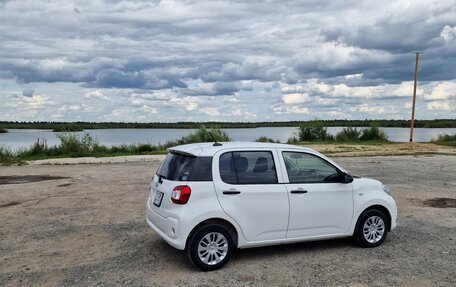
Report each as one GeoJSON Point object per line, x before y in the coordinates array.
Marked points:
{"type": "Point", "coordinates": [234, 166]}
{"type": "Point", "coordinates": [306, 182]}
{"type": "Point", "coordinates": [237, 179]}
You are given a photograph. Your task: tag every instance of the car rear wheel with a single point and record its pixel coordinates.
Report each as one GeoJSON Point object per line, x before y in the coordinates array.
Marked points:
{"type": "Point", "coordinates": [210, 247]}
{"type": "Point", "coordinates": [371, 229]}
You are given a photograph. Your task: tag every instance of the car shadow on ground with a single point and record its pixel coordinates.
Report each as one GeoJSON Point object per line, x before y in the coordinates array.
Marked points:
{"type": "Point", "coordinates": [178, 258]}
{"type": "Point", "coordinates": [287, 249]}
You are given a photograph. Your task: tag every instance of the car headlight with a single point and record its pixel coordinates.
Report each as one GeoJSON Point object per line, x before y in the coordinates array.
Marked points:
{"type": "Point", "coordinates": [386, 189]}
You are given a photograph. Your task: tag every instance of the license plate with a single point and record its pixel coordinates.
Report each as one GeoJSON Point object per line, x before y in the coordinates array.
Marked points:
{"type": "Point", "coordinates": [158, 198]}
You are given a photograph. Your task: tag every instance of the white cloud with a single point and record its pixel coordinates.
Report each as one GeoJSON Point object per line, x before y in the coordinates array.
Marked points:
{"type": "Point", "coordinates": [72, 107]}
{"type": "Point", "coordinates": [325, 101]}
{"type": "Point", "coordinates": [75, 107]}
{"type": "Point", "coordinates": [117, 112]}
{"type": "Point", "coordinates": [405, 89]}
{"type": "Point", "coordinates": [290, 99]}
{"type": "Point", "coordinates": [293, 89]}
{"type": "Point", "coordinates": [442, 91]}
{"type": "Point", "coordinates": [189, 103]}
{"type": "Point", "coordinates": [354, 76]}
{"type": "Point", "coordinates": [38, 101]}
{"type": "Point", "coordinates": [97, 94]}
{"type": "Point", "coordinates": [334, 56]}
{"type": "Point", "coordinates": [366, 108]}
{"type": "Point", "coordinates": [291, 110]}
{"type": "Point", "coordinates": [323, 88]}
{"type": "Point", "coordinates": [448, 33]}
{"type": "Point", "coordinates": [34, 102]}
{"type": "Point", "coordinates": [148, 109]}
{"type": "Point", "coordinates": [337, 114]}
{"type": "Point", "coordinates": [438, 106]}
{"type": "Point", "coordinates": [238, 112]}
{"type": "Point", "coordinates": [212, 112]}
{"type": "Point", "coordinates": [342, 90]}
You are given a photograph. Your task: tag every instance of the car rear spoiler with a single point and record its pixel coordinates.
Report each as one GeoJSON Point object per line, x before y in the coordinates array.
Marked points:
{"type": "Point", "coordinates": [173, 151]}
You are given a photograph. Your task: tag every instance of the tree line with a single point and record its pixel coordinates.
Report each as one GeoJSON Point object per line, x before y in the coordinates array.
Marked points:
{"type": "Point", "coordinates": [79, 126]}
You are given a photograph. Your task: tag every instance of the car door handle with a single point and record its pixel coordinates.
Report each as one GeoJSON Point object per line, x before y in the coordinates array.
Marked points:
{"type": "Point", "coordinates": [231, 192]}
{"type": "Point", "coordinates": [298, 191]}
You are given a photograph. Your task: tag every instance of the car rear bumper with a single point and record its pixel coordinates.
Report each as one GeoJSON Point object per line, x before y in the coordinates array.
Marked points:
{"type": "Point", "coordinates": [166, 227]}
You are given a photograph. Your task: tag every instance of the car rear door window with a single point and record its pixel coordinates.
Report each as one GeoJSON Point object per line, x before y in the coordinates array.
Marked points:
{"type": "Point", "coordinates": [227, 171]}
{"type": "Point", "coordinates": [248, 167]}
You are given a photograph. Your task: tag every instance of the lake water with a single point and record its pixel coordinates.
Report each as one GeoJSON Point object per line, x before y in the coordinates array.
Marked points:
{"type": "Point", "coordinates": [20, 138]}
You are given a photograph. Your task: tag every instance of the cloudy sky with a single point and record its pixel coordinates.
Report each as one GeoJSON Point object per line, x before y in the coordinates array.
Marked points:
{"type": "Point", "coordinates": [226, 60]}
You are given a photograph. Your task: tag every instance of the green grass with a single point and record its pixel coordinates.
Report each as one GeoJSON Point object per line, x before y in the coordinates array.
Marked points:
{"type": "Point", "coordinates": [204, 134]}
{"type": "Point", "coordinates": [445, 139]}
{"type": "Point", "coordinates": [348, 134]}
{"type": "Point", "coordinates": [373, 133]}
{"type": "Point", "coordinates": [311, 132]}
{"type": "Point", "coordinates": [317, 133]}
{"type": "Point", "coordinates": [354, 143]}
{"type": "Point", "coordinates": [264, 139]}
{"type": "Point", "coordinates": [8, 158]}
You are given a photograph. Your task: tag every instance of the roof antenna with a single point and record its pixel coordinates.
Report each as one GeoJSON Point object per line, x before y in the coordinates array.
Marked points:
{"type": "Point", "coordinates": [215, 141]}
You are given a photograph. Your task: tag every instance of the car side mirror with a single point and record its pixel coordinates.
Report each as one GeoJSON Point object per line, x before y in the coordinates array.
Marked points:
{"type": "Point", "coordinates": [345, 177]}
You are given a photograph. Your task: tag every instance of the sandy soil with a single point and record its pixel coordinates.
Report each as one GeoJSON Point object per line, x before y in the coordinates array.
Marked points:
{"type": "Point", "coordinates": [93, 160]}
{"type": "Point", "coordinates": [83, 225]}
{"type": "Point", "coordinates": [383, 150]}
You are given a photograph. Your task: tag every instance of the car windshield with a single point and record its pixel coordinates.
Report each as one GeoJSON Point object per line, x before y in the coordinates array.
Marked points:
{"type": "Point", "coordinates": [180, 167]}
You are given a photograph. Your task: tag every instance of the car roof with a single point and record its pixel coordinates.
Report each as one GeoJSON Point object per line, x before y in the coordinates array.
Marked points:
{"type": "Point", "coordinates": [209, 149]}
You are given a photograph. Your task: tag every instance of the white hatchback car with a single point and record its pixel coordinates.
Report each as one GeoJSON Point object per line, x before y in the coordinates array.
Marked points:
{"type": "Point", "coordinates": [211, 198]}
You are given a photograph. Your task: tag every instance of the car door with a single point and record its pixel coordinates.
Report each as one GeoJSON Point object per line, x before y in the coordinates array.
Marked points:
{"type": "Point", "coordinates": [251, 191]}
{"type": "Point", "coordinates": [320, 204]}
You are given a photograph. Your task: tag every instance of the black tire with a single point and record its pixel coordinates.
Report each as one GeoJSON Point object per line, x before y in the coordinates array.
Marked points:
{"type": "Point", "coordinates": [195, 239]}
{"type": "Point", "coordinates": [358, 234]}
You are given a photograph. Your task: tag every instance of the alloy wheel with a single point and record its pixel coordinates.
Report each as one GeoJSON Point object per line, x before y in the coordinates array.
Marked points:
{"type": "Point", "coordinates": [212, 248]}
{"type": "Point", "coordinates": [373, 229]}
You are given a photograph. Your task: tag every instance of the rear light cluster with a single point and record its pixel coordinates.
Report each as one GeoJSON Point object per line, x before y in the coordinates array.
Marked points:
{"type": "Point", "coordinates": [181, 194]}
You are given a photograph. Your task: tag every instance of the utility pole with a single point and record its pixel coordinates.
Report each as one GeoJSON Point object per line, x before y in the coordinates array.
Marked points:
{"type": "Point", "coordinates": [414, 95]}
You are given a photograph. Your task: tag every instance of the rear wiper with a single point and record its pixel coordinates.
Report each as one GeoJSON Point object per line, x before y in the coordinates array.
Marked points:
{"type": "Point", "coordinates": [161, 177]}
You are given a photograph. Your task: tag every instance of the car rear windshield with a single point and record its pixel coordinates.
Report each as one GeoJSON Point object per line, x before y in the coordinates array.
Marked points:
{"type": "Point", "coordinates": [180, 167]}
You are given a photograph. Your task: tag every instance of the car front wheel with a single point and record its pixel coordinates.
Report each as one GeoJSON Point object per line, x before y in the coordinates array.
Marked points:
{"type": "Point", "coordinates": [371, 229]}
{"type": "Point", "coordinates": [210, 247]}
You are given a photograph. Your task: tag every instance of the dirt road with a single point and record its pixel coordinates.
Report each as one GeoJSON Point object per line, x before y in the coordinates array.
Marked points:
{"type": "Point", "coordinates": [84, 225]}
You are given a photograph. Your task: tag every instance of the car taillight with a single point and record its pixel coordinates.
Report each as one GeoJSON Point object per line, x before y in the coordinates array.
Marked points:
{"type": "Point", "coordinates": [181, 194]}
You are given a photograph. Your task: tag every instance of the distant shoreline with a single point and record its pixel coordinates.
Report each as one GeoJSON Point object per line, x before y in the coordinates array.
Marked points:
{"type": "Point", "coordinates": [437, 123]}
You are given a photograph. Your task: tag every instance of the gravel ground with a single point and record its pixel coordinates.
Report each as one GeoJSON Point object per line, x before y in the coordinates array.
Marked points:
{"type": "Point", "coordinates": [83, 225]}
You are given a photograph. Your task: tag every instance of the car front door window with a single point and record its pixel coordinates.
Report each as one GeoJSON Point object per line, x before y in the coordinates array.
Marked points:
{"type": "Point", "coordinates": [307, 168]}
